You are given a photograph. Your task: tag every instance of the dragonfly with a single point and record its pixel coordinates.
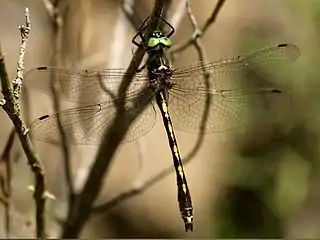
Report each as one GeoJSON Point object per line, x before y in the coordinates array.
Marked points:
{"type": "Point", "coordinates": [184, 96]}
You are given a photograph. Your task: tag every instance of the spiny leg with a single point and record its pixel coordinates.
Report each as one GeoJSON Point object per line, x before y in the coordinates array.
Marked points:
{"type": "Point", "coordinates": [168, 24]}
{"type": "Point", "coordinates": [184, 197]}
{"type": "Point", "coordinates": [143, 27]}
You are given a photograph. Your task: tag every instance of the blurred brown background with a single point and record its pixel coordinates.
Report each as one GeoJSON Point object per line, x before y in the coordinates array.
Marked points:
{"type": "Point", "coordinates": [261, 181]}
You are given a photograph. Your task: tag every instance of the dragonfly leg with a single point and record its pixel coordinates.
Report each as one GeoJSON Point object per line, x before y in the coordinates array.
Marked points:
{"type": "Point", "coordinates": [168, 24]}
{"type": "Point", "coordinates": [142, 28]}
{"type": "Point", "coordinates": [139, 34]}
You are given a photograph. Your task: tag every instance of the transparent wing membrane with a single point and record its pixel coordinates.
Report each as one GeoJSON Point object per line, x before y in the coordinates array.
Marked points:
{"type": "Point", "coordinates": [222, 111]}
{"type": "Point", "coordinates": [232, 94]}
{"type": "Point", "coordinates": [87, 124]}
{"type": "Point", "coordinates": [234, 73]}
{"type": "Point", "coordinates": [83, 87]}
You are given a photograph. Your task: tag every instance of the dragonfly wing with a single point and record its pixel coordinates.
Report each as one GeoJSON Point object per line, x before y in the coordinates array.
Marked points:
{"type": "Point", "coordinates": [231, 93]}
{"type": "Point", "coordinates": [87, 124]}
{"type": "Point", "coordinates": [210, 113]}
{"type": "Point", "coordinates": [235, 73]}
{"type": "Point", "coordinates": [83, 87]}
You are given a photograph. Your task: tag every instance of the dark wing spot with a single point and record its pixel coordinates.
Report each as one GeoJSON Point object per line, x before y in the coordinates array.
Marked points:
{"type": "Point", "coordinates": [42, 68]}
{"type": "Point", "coordinates": [283, 45]}
{"type": "Point", "coordinates": [276, 91]}
{"type": "Point", "coordinates": [43, 117]}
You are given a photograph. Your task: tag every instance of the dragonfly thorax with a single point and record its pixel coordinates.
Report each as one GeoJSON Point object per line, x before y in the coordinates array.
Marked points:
{"type": "Point", "coordinates": [160, 78]}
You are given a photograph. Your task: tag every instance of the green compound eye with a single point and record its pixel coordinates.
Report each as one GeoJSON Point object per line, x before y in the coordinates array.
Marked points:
{"type": "Point", "coordinates": [153, 42]}
{"type": "Point", "coordinates": [165, 41]}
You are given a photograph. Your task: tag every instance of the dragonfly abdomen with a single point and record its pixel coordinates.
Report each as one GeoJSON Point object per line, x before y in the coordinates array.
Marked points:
{"type": "Point", "coordinates": [184, 197]}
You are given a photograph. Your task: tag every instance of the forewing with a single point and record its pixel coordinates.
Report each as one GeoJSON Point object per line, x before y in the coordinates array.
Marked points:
{"type": "Point", "coordinates": [231, 93]}
{"type": "Point", "coordinates": [83, 87]}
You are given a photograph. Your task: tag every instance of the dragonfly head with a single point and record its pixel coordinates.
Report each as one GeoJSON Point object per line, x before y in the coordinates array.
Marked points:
{"type": "Point", "coordinates": [158, 41]}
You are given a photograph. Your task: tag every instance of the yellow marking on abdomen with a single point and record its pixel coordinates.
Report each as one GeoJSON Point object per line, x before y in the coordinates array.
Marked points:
{"type": "Point", "coordinates": [176, 152]}
{"type": "Point", "coordinates": [184, 188]}
{"type": "Point", "coordinates": [164, 107]}
{"type": "Point", "coordinates": [170, 128]}
{"type": "Point", "coordinates": [175, 148]}
{"type": "Point", "coordinates": [180, 170]}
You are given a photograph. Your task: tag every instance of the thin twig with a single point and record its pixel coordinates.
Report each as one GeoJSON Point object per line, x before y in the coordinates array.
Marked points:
{"type": "Point", "coordinates": [206, 77]}
{"type": "Point", "coordinates": [197, 43]}
{"type": "Point", "coordinates": [57, 25]}
{"type": "Point", "coordinates": [5, 159]}
{"type": "Point", "coordinates": [24, 31]}
{"type": "Point", "coordinates": [11, 105]}
{"type": "Point", "coordinates": [116, 52]}
{"type": "Point", "coordinates": [118, 46]}
{"type": "Point", "coordinates": [134, 19]}
{"type": "Point", "coordinates": [199, 32]}
{"type": "Point", "coordinates": [6, 180]}
{"type": "Point", "coordinates": [177, 15]}
{"type": "Point", "coordinates": [166, 8]}
{"type": "Point", "coordinates": [165, 11]}
{"type": "Point", "coordinates": [114, 135]}
{"type": "Point", "coordinates": [50, 7]}
{"type": "Point", "coordinates": [127, 7]}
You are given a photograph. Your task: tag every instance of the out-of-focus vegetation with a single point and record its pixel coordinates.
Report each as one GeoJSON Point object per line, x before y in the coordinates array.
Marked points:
{"type": "Point", "coordinates": [261, 181]}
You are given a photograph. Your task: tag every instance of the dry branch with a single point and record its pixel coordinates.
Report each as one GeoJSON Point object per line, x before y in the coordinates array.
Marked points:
{"type": "Point", "coordinates": [82, 208]}
{"type": "Point", "coordinates": [199, 32]}
{"type": "Point", "coordinates": [11, 92]}
{"type": "Point", "coordinates": [5, 181]}
{"type": "Point", "coordinates": [57, 25]}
